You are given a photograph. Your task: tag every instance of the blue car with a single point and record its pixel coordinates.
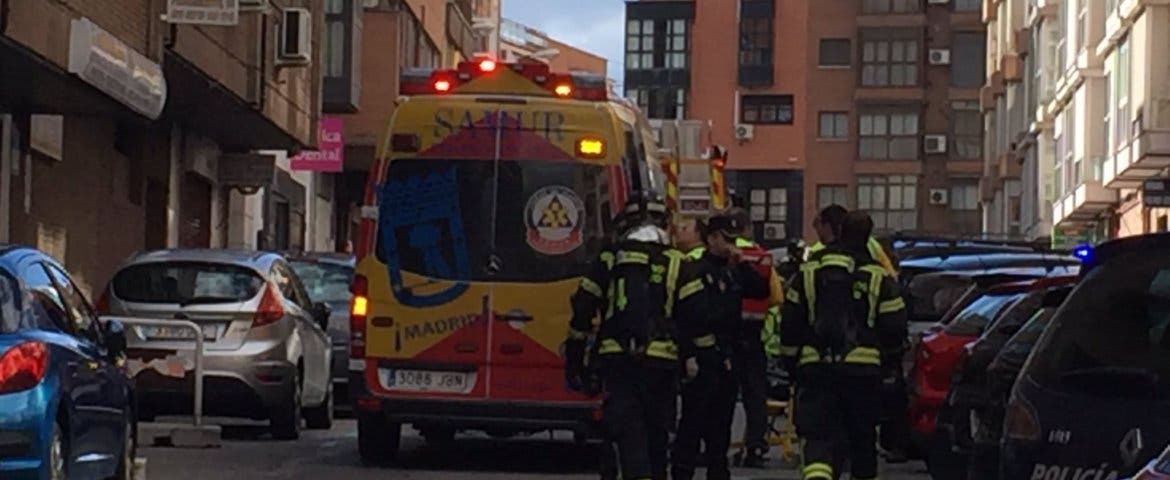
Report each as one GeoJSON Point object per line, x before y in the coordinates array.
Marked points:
{"type": "Point", "coordinates": [65, 400]}
{"type": "Point", "coordinates": [1091, 401]}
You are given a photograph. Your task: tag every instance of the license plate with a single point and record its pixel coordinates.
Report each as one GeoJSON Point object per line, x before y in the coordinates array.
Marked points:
{"type": "Point", "coordinates": [426, 380]}
{"type": "Point", "coordinates": [210, 332]}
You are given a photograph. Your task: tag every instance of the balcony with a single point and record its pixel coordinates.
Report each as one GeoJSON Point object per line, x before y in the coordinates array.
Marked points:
{"type": "Point", "coordinates": [1009, 167]}
{"type": "Point", "coordinates": [1144, 157]}
{"type": "Point", "coordinates": [1011, 67]}
{"type": "Point", "coordinates": [1084, 204]}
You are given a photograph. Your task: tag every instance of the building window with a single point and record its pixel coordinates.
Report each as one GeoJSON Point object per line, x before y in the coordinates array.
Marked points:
{"type": "Point", "coordinates": [891, 200]}
{"type": "Point", "coordinates": [639, 44]}
{"type": "Point", "coordinates": [766, 109]}
{"type": "Point", "coordinates": [835, 52]}
{"type": "Point", "coordinates": [833, 125]}
{"type": "Point", "coordinates": [334, 39]}
{"type": "Point", "coordinates": [891, 6]}
{"type": "Point", "coordinates": [889, 62]}
{"type": "Point", "coordinates": [676, 44]}
{"type": "Point", "coordinates": [964, 196]}
{"type": "Point", "coordinates": [417, 48]}
{"type": "Point", "coordinates": [659, 103]}
{"type": "Point", "coordinates": [769, 205]}
{"type": "Point", "coordinates": [968, 5]}
{"type": "Point", "coordinates": [1082, 19]}
{"type": "Point", "coordinates": [888, 136]}
{"type": "Point", "coordinates": [832, 195]}
{"type": "Point", "coordinates": [1121, 88]}
{"type": "Point", "coordinates": [967, 130]}
{"type": "Point", "coordinates": [755, 41]}
{"type": "Point", "coordinates": [968, 60]}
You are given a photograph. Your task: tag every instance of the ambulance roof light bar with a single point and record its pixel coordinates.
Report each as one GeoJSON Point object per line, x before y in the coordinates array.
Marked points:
{"type": "Point", "coordinates": [575, 85]}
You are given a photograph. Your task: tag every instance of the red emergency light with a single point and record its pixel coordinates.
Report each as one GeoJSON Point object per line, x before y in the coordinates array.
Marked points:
{"type": "Point", "coordinates": [575, 85]}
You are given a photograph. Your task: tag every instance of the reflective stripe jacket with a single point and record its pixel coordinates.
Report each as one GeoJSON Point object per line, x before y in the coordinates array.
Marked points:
{"type": "Point", "coordinates": [875, 251]}
{"type": "Point", "coordinates": [879, 341]}
{"type": "Point", "coordinates": [726, 286]}
{"type": "Point", "coordinates": [762, 315]}
{"type": "Point", "coordinates": [659, 316]}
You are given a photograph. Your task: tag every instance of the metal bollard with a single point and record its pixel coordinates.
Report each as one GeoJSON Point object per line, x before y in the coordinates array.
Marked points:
{"type": "Point", "coordinates": [198, 407]}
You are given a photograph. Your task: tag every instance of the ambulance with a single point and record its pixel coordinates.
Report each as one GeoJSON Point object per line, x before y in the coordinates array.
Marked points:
{"type": "Point", "coordinates": [492, 190]}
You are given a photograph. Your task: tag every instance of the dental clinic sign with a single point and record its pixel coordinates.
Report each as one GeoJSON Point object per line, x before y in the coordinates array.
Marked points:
{"type": "Point", "coordinates": [331, 154]}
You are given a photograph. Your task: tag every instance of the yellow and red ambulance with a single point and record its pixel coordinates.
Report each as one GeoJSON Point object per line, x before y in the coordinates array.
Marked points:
{"type": "Point", "coordinates": [492, 191]}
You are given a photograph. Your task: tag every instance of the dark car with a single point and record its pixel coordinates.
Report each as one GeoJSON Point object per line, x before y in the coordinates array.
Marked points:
{"type": "Point", "coordinates": [911, 268]}
{"type": "Point", "coordinates": [66, 402]}
{"type": "Point", "coordinates": [968, 393]}
{"type": "Point", "coordinates": [1090, 401]}
{"type": "Point", "coordinates": [327, 278]}
{"type": "Point", "coordinates": [987, 421]}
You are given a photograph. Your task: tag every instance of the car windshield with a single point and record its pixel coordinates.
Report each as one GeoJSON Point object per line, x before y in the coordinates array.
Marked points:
{"type": "Point", "coordinates": [326, 282]}
{"type": "Point", "coordinates": [1017, 314]}
{"type": "Point", "coordinates": [979, 314]}
{"type": "Point", "coordinates": [186, 283]}
{"type": "Point", "coordinates": [1022, 342]}
{"type": "Point", "coordinates": [1111, 337]}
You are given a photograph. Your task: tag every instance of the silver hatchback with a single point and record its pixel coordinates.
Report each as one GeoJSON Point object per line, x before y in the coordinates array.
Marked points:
{"type": "Point", "coordinates": [267, 353]}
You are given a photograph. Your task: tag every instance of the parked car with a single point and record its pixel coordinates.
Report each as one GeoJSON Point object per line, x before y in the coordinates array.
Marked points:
{"type": "Point", "coordinates": [267, 354]}
{"type": "Point", "coordinates": [954, 262]}
{"type": "Point", "coordinates": [66, 404]}
{"type": "Point", "coordinates": [1091, 399]}
{"type": "Point", "coordinates": [327, 278]}
{"type": "Point", "coordinates": [987, 422]}
{"type": "Point", "coordinates": [968, 390]}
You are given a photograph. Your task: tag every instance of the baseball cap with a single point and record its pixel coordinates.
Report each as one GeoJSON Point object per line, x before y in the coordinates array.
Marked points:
{"type": "Point", "coordinates": [729, 226]}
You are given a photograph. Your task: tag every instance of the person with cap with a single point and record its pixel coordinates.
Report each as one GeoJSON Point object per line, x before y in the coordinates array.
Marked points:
{"type": "Point", "coordinates": [647, 298]}
{"type": "Point", "coordinates": [709, 398]}
{"type": "Point", "coordinates": [758, 340]}
{"type": "Point", "coordinates": [843, 320]}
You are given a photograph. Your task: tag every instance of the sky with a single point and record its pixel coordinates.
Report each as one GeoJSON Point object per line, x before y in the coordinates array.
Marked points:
{"type": "Point", "coordinates": [596, 26]}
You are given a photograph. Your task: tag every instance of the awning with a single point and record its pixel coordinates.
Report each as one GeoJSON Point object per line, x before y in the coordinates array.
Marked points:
{"type": "Point", "coordinates": [33, 84]}
{"type": "Point", "coordinates": [199, 102]}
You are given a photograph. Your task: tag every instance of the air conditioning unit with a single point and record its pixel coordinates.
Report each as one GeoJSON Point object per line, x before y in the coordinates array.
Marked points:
{"type": "Point", "coordinates": [939, 196]}
{"type": "Point", "coordinates": [940, 56]}
{"type": "Point", "coordinates": [296, 35]}
{"type": "Point", "coordinates": [744, 131]}
{"type": "Point", "coordinates": [936, 144]}
{"type": "Point", "coordinates": [938, 2]}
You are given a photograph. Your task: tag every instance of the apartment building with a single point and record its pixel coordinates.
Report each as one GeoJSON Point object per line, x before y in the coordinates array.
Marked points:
{"type": "Point", "coordinates": [1095, 125]}
{"type": "Point", "coordinates": [134, 124]}
{"type": "Point", "coordinates": [521, 43]}
{"type": "Point", "coordinates": [873, 105]}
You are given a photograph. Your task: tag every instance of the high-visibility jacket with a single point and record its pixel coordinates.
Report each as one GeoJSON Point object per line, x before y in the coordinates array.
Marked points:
{"type": "Point", "coordinates": [697, 253]}
{"type": "Point", "coordinates": [879, 339]}
{"type": "Point", "coordinates": [763, 313]}
{"type": "Point", "coordinates": [646, 296]}
{"type": "Point", "coordinates": [875, 250]}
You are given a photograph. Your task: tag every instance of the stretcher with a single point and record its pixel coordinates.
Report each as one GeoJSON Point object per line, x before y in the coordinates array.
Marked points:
{"type": "Point", "coordinates": [781, 433]}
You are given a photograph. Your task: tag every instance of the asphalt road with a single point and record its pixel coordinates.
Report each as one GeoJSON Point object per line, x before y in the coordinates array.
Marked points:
{"type": "Point", "coordinates": [248, 453]}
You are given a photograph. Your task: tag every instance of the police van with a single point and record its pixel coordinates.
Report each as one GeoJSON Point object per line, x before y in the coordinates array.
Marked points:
{"type": "Point", "coordinates": [1091, 403]}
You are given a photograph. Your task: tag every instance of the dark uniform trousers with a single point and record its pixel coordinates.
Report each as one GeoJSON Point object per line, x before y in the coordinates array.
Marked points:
{"type": "Point", "coordinates": [750, 367]}
{"type": "Point", "coordinates": [895, 431]}
{"type": "Point", "coordinates": [638, 413]}
{"type": "Point", "coordinates": [834, 403]}
{"type": "Point", "coordinates": [708, 405]}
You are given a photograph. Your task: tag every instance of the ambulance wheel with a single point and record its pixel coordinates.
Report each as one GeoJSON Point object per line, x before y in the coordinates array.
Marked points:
{"type": "Point", "coordinates": [378, 439]}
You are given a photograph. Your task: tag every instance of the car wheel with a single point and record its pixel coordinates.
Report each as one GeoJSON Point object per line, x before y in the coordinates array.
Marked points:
{"type": "Point", "coordinates": [321, 416]}
{"type": "Point", "coordinates": [285, 421]}
{"type": "Point", "coordinates": [378, 439]}
{"type": "Point", "coordinates": [129, 452]}
{"type": "Point", "coordinates": [58, 462]}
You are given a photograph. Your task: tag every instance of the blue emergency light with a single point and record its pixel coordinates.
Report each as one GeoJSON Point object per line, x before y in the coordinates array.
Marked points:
{"type": "Point", "coordinates": [1083, 253]}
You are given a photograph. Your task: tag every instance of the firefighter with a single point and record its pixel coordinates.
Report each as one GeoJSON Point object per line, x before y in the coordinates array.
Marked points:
{"type": "Point", "coordinates": [688, 239]}
{"type": "Point", "coordinates": [837, 335]}
{"type": "Point", "coordinates": [645, 295]}
{"type": "Point", "coordinates": [829, 219]}
{"type": "Point", "coordinates": [709, 398]}
{"type": "Point", "coordinates": [758, 340]}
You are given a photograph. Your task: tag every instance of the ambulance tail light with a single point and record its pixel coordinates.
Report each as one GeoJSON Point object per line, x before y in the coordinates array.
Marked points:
{"type": "Point", "coordinates": [574, 85]}
{"type": "Point", "coordinates": [359, 312]}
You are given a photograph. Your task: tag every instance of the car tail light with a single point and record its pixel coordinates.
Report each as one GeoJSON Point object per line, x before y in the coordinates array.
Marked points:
{"type": "Point", "coordinates": [358, 313]}
{"type": "Point", "coordinates": [1020, 422]}
{"type": "Point", "coordinates": [102, 307]}
{"type": "Point", "coordinates": [23, 367]}
{"type": "Point", "coordinates": [270, 310]}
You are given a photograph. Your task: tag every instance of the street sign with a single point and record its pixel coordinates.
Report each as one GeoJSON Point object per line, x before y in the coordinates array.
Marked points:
{"type": "Point", "coordinates": [203, 12]}
{"type": "Point", "coordinates": [1156, 192]}
{"type": "Point", "coordinates": [330, 157]}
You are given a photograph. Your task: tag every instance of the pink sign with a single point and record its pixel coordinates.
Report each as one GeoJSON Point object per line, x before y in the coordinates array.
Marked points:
{"type": "Point", "coordinates": [330, 158]}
